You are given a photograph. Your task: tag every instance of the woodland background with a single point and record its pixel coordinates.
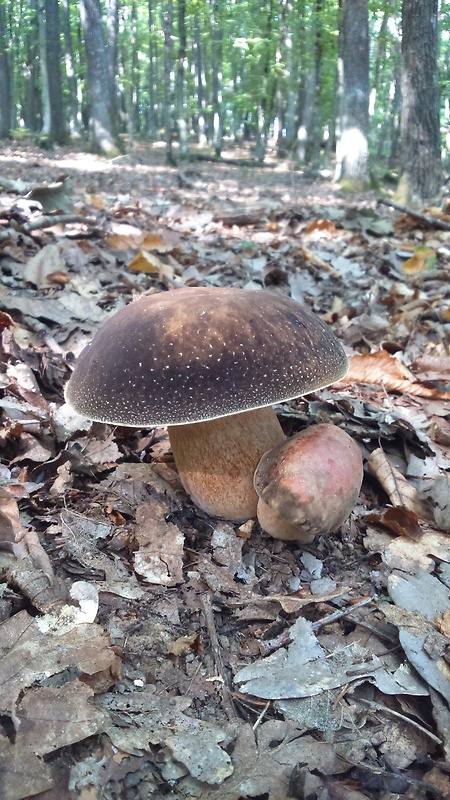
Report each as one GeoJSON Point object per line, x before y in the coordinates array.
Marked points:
{"type": "Point", "coordinates": [308, 79]}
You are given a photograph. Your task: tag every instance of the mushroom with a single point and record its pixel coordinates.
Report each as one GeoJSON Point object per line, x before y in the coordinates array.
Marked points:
{"type": "Point", "coordinates": [208, 363]}
{"type": "Point", "coordinates": [309, 483]}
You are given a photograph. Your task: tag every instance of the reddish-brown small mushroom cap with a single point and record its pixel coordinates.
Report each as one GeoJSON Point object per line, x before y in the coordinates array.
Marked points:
{"type": "Point", "coordinates": [197, 355]}
{"type": "Point", "coordinates": [309, 483]}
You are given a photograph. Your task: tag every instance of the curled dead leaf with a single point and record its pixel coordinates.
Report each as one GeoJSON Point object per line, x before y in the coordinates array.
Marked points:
{"type": "Point", "coordinates": [383, 369]}
{"type": "Point", "coordinates": [401, 492]}
{"type": "Point", "coordinates": [397, 519]}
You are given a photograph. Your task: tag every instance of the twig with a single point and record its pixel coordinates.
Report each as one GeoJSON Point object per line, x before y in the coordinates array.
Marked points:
{"type": "Point", "coordinates": [58, 219]}
{"type": "Point", "coordinates": [434, 222]}
{"type": "Point", "coordinates": [379, 707]}
{"type": "Point", "coordinates": [217, 653]}
{"type": "Point", "coordinates": [340, 613]}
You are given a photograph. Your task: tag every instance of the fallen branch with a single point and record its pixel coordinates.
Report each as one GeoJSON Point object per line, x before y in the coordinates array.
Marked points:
{"type": "Point", "coordinates": [433, 222]}
{"type": "Point", "coordinates": [208, 614]}
{"type": "Point", "coordinates": [40, 223]}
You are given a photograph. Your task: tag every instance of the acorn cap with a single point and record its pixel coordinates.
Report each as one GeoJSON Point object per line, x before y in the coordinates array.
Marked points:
{"type": "Point", "coordinates": [195, 354]}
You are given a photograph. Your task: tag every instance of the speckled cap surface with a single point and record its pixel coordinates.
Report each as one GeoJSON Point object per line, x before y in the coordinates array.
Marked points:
{"type": "Point", "coordinates": [200, 353]}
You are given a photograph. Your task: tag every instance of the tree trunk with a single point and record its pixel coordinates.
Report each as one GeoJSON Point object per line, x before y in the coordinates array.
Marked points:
{"type": "Point", "coordinates": [98, 77]}
{"type": "Point", "coordinates": [45, 89]}
{"type": "Point", "coordinates": [421, 157]}
{"type": "Point", "coordinates": [308, 137]}
{"type": "Point", "coordinates": [200, 84]}
{"type": "Point", "coordinates": [75, 118]}
{"type": "Point", "coordinates": [217, 78]}
{"type": "Point", "coordinates": [30, 101]}
{"type": "Point", "coordinates": [167, 24]}
{"type": "Point", "coordinates": [5, 79]}
{"type": "Point", "coordinates": [56, 131]}
{"type": "Point", "coordinates": [112, 26]}
{"type": "Point", "coordinates": [152, 115]}
{"type": "Point", "coordinates": [352, 156]}
{"type": "Point", "coordinates": [180, 86]}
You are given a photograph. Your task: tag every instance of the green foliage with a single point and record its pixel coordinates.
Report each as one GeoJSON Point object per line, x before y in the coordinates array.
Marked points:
{"type": "Point", "coordinates": [268, 51]}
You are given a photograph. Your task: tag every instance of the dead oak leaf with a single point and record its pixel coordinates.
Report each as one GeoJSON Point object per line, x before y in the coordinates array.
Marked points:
{"type": "Point", "coordinates": [383, 369]}
{"type": "Point", "coordinates": [29, 655]}
{"type": "Point", "coordinates": [398, 520]}
{"type": "Point", "coordinates": [159, 558]}
{"type": "Point", "coordinates": [263, 761]}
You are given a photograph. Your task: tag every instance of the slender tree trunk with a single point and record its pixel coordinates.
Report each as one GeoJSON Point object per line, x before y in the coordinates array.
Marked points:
{"type": "Point", "coordinates": [217, 78]}
{"type": "Point", "coordinates": [200, 84]}
{"type": "Point", "coordinates": [98, 76]}
{"type": "Point", "coordinates": [75, 120]}
{"type": "Point", "coordinates": [152, 117]}
{"type": "Point", "coordinates": [30, 104]}
{"type": "Point", "coordinates": [352, 157]}
{"type": "Point", "coordinates": [308, 136]}
{"type": "Point", "coordinates": [5, 79]}
{"type": "Point", "coordinates": [45, 89]}
{"type": "Point", "coordinates": [180, 85]}
{"type": "Point", "coordinates": [53, 53]}
{"type": "Point", "coordinates": [421, 157]}
{"type": "Point", "coordinates": [112, 26]}
{"type": "Point", "coordinates": [167, 24]}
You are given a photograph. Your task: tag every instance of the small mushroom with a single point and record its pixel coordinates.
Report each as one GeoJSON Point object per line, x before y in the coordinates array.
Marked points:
{"type": "Point", "coordinates": [308, 484]}
{"type": "Point", "coordinates": [208, 363]}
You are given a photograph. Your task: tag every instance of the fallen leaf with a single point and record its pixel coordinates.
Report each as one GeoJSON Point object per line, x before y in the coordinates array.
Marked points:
{"type": "Point", "coordinates": [159, 558]}
{"type": "Point", "coordinates": [383, 369]}
{"type": "Point", "coordinates": [399, 520]}
{"type": "Point", "coordinates": [424, 259]}
{"type": "Point", "coordinates": [401, 492]}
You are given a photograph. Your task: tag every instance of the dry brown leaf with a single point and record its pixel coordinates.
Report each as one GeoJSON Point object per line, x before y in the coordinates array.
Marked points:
{"type": "Point", "coordinates": [322, 225]}
{"type": "Point", "coordinates": [145, 262]}
{"type": "Point", "coordinates": [184, 645]}
{"type": "Point", "coordinates": [29, 654]}
{"type": "Point", "coordinates": [424, 258]}
{"type": "Point", "coordinates": [399, 520]}
{"type": "Point", "coordinates": [401, 492]}
{"type": "Point", "coordinates": [160, 556]}
{"type": "Point", "coordinates": [152, 241]}
{"type": "Point", "coordinates": [120, 241]}
{"type": "Point", "coordinates": [383, 369]}
{"type": "Point", "coordinates": [97, 202]}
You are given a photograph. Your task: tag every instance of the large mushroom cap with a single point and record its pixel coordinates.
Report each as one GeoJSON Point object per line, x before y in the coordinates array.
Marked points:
{"type": "Point", "coordinates": [196, 354]}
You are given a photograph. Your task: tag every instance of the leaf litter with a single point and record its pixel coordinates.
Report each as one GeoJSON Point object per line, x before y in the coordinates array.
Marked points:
{"type": "Point", "coordinates": [147, 649]}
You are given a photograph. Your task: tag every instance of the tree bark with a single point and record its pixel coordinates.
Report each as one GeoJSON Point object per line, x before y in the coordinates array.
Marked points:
{"type": "Point", "coordinates": [152, 109]}
{"type": "Point", "coordinates": [56, 131]}
{"type": "Point", "coordinates": [421, 157]}
{"type": "Point", "coordinates": [167, 24]}
{"type": "Point", "coordinates": [352, 155]}
{"type": "Point", "coordinates": [180, 84]}
{"type": "Point", "coordinates": [200, 84]}
{"type": "Point", "coordinates": [75, 117]}
{"type": "Point", "coordinates": [217, 78]}
{"type": "Point", "coordinates": [98, 76]}
{"type": "Point", "coordinates": [5, 79]}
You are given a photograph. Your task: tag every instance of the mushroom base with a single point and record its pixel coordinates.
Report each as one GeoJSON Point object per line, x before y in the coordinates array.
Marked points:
{"type": "Point", "coordinates": [216, 460]}
{"type": "Point", "coordinates": [280, 528]}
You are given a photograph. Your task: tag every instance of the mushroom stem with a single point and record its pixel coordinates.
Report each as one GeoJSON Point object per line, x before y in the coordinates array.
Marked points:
{"type": "Point", "coordinates": [216, 460]}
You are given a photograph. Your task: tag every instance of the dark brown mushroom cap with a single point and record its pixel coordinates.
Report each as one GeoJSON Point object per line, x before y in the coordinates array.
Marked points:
{"type": "Point", "coordinates": [200, 353]}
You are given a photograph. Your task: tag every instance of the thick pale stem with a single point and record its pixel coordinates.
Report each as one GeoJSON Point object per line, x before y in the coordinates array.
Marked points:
{"type": "Point", "coordinates": [216, 460]}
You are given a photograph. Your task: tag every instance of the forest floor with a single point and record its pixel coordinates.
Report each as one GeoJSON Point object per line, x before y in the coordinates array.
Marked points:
{"type": "Point", "coordinates": [147, 650]}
